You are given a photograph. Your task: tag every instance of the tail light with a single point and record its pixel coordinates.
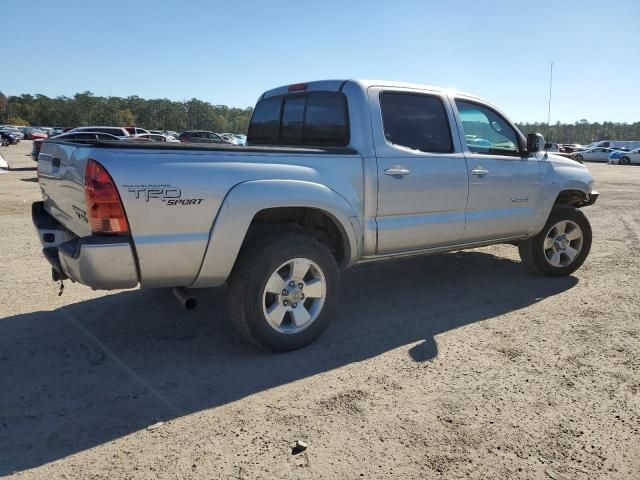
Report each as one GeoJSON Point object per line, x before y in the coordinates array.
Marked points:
{"type": "Point", "coordinates": [104, 208]}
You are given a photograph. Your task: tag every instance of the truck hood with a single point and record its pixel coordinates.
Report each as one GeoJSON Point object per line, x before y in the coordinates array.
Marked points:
{"type": "Point", "coordinates": [560, 160]}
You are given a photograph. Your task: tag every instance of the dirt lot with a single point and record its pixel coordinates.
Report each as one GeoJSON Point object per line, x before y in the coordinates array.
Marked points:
{"type": "Point", "coordinates": [461, 366]}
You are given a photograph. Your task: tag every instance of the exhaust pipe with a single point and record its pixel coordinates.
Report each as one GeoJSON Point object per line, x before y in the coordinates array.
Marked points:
{"type": "Point", "coordinates": [187, 301]}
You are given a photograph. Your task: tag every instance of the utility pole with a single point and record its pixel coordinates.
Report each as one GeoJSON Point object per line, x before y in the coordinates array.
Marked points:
{"type": "Point", "coordinates": [549, 111]}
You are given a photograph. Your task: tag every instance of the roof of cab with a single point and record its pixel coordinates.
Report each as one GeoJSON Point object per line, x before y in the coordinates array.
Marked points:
{"type": "Point", "coordinates": [337, 85]}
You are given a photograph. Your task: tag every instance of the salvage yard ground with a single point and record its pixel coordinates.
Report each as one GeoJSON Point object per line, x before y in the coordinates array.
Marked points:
{"type": "Point", "coordinates": [461, 365]}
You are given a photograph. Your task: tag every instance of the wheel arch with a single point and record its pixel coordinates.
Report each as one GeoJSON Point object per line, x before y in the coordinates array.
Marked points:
{"type": "Point", "coordinates": [571, 196]}
{"type": "Point", "coordinates": [257, 203]}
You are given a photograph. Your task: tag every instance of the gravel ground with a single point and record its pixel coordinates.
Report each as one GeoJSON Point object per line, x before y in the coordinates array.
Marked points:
{"type": "Point", "coordinates": [461, 365]}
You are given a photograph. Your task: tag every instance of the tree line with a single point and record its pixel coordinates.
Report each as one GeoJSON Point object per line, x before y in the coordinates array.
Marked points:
{"type": "Point", "coordinates": [87, 109]}
{"type": "Point", "coordinates": [163, 114]}
{"type": "Point", "coordinates": [583, 131]}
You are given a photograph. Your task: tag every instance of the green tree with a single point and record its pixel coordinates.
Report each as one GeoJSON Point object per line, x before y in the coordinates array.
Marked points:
{"type": "Point", "coordinates": [17, 121]}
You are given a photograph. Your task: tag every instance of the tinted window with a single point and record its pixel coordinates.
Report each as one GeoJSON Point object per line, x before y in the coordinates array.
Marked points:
{"type": "Point", "coordinates": [265, 122]}
{"type": "Point", "coordinates": [416, 121]}
{"type": "Point", "coordinates": [325, 120]}
{"type": "Point", "coordinates": [485, 131]}
{"type": "Point", "coordinates": [292, 118]}
{"type": "Point", "coordinates": [82, 136]}
{"type": "Point", "coordinates": [313, 118]}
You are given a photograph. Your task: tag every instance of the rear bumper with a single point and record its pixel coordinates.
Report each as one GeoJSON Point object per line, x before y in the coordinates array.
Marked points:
{"type": "Point", "coordinates": [98, 261]}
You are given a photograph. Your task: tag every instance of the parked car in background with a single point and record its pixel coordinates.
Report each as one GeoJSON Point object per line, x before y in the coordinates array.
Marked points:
{"type": "Point", "coordinates": [170, 133]}
{"type": "Point", "coordinates": [572, 147]}
{"type": "Point", "coordinates": [136, 130]}
{"type": "Point", "coordinates": [553, 147]}
{"type": "Point", "coordinates": [241, 138]}
{"type": "Point", "coordinates": [36, 134]}
{"type": "Point", "coordinates": [153, 137]}
{"type": "Point", "coordinates": [617, 154]}
{"type": "Point", "coordinates": [201, 136]}
{"type": "Point", "coordinates": [625, 158]}
{"type": "Point", "coordinates": [72, 136]}
{"type": "Point", "coordinates": [598, 154]}
{"type": "Point", "coordinates": [12, 131]}
{"type": "Point", "coordinates": [7, 139]}
{"type": "Point", "coordinates": [628, 144]}
{"type": "Point", "coordinates": [56, 131]}
{"type": "Point", "coordinates": [233, 138]}
{"type": "Point", "coordinates": [477, 141]}
{"type": "Point", "coordinates": [119, 132]}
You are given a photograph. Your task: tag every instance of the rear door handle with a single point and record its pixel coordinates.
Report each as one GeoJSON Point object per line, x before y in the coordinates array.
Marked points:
{"type": "Point", "coordinates": [397, 172]}
{"type": "Point", "coordinates": [479, 171]}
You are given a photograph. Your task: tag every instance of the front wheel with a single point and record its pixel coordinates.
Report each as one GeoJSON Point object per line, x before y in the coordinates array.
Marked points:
{"type": "Point", "coordinates": [562, 246]}
{"type": "Point", "coordinates": [580, 158]}
{"type": "Point", "coordinates": [625, 161]}
{"type": "Point", "coordinates": [283, 291]}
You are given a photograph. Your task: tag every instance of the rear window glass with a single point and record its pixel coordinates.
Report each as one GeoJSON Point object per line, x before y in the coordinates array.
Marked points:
{"type": "Point", "coordinates": [313, 119]}
{"type": "Point", "coordinates": [292, 118]}
{"type": "Point", "coordinates": [325, 121]}
{"type": "Point", "coordinates": [265, 122]}
{"type": "Point", "coordinates": [416, 121]}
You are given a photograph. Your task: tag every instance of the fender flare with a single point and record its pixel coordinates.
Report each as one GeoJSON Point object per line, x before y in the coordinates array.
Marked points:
{"type": "Point", "coordinates": [246, 199]}
{"type": "Point", "coordinates": [551, 193]}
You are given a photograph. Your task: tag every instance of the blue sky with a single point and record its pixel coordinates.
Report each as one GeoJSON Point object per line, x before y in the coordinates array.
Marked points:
{"type": "Point", "coordinates": [229, 52]}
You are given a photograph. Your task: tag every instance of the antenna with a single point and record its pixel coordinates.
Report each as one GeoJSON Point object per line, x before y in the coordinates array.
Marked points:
{"type": "Point", "coordinates": [549, 111]}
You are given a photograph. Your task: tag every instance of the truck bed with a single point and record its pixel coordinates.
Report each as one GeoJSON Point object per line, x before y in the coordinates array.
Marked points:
{"type": "Point", "coordinates": [172, 193]}
{"type": "Point", "coordinates": [213, 147]}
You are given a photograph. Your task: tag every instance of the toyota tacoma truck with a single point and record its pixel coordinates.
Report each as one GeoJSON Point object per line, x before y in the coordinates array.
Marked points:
{"type": "Point", "coordinates": [334, 173]}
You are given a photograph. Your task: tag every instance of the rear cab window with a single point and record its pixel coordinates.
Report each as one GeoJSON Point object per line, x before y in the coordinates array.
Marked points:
{"type": "Point", "coordinates": [301, 119]}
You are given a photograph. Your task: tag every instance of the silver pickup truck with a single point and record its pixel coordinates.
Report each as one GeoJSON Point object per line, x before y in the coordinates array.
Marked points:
{"type": "Point", "coordinates": [334, 173]}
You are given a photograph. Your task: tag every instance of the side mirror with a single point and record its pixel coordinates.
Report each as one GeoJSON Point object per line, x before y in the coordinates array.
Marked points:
{"type": "Point", "coordinates": [535, 142]}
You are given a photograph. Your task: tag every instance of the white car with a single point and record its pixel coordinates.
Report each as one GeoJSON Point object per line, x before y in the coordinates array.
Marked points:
{"type": "Point", "coordinates": [154, 137]}
{"type": "Point", "coordinates": [599, 154]}
{"type": "Point", "coordinates": [115, 131]}
{"type": "Point", "coordinates": [626, 158]}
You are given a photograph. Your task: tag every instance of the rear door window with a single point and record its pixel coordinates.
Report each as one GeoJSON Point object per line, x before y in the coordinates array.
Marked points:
{"type": "Point", "coordinates": [416, 121]}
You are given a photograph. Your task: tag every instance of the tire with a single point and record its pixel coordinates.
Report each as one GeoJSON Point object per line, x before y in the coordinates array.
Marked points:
{"type": "Point", "coordinates": [551, 252]}
{"type": "Point", "coordinates": [256, 297]}
{"type": "Point", "coordinates": [580, 158]}
{"type": "Point", "coordinates": [625, 161]}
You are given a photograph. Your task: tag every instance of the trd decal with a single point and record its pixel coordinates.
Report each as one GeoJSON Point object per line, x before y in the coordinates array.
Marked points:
{"type": "Point", "coordinates": [81, 214]}
{"type": "Point", "coordinates": [165, 193]}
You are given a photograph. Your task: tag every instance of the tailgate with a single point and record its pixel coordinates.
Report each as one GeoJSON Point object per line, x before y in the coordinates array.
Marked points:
{"type": "Point", "coordinates": [61, 167]}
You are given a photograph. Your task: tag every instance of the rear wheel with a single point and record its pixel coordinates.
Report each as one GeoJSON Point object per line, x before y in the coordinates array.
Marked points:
{"type": "Point", "coordinates": [562, 246]}
{"type": "Point", "coordinates": [283, 291]}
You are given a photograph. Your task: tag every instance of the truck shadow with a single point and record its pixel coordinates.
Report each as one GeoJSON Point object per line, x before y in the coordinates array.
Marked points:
{"type": "Point", "coordinates": [90, 372]}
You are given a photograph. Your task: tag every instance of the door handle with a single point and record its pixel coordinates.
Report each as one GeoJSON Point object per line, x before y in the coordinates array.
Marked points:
{"type": "Point", "coordinates": [479, 171]}
{"type": "Point", "coordinates": [55, 162]}
{"type": "Point", "coordinates": [397, 172]}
